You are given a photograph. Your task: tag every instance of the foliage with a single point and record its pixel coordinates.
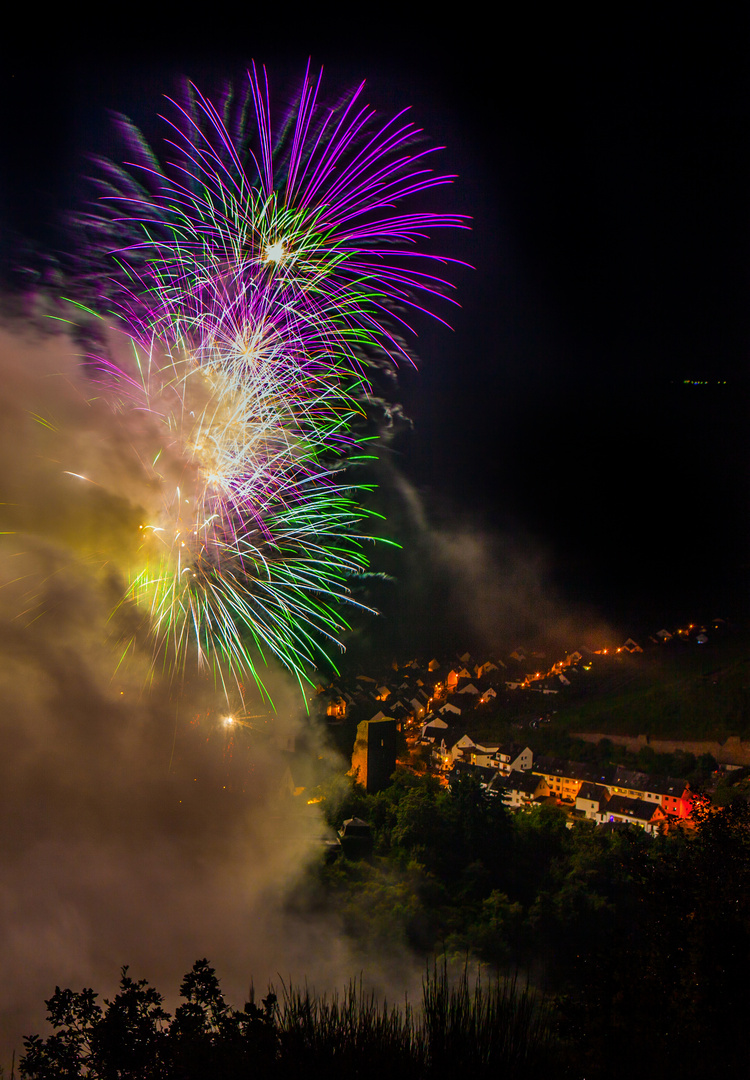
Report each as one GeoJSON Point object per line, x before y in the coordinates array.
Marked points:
{"type": "Point", "coordinates": [133, 1038]}
{"type": "Point", "coordinates": [641, 940]}
{"type": "Point", "coordinates": [680, 691]}
{"type": "Point", "coordinates": [490, 1027]}
{"type": "Point", "coordinates": [670, 974]}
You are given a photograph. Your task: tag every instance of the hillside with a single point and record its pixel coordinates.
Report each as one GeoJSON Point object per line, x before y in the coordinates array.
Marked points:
{"type": "Point", "coordinates": [679, 690]}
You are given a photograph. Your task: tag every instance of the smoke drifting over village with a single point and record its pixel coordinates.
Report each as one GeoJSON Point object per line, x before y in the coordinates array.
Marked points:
{"type": "Point", "coordinates": [459, 583]}
{"type": "Point", "coordinates": [139, 827]}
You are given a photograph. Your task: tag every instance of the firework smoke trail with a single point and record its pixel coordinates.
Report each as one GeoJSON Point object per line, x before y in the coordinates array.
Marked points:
{"type": "Point", "coordinates": [256, 275]}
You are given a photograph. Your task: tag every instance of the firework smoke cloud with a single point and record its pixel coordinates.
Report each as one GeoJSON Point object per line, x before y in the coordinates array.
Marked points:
{"type": "Point", "coordinates": [255, 274]}
{"type": "Point", "coordinates": [179, 439]}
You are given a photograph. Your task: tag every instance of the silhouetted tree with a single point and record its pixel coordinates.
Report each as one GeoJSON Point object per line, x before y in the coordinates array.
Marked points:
{"type": "Point", "coordinates": [133, 1038]}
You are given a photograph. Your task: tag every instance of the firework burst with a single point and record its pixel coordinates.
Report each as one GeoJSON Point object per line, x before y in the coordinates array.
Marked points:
{"type": "Point", "coordinates": [253, 537]}
{"type": "Point", "coordinates": [257, 276]}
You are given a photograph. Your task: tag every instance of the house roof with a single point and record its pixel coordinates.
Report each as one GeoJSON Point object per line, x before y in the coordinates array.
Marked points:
{"type": "Point", "coordinates": [639, 781]}
{"type": "Point", "coordinates": [511, 750]}
{"type": "Point", "coordinates": [524, 782]}
{"type": "Point", "coordinates": [397, 706]}
{"type": "Point", "coordinates": [669, 785]}
{"type": "Point", "coordinates": [637, 809]}
{"type": "Point", "coordinates": [593, 792]}
{"type": "Point", "coordinates": [436, 723]}
{"type": "Point", "coordinates": [464, 741]}
{"type": "Point", "coordinates": [499, 782]}
{"type": "Point", "coordinates": [656, 785]}
{"type": "Point", "coordinates": [458, 701]}
{"type": "Point", "coordinates": [465, 768]}
{"type": "Point", "coordinates": [572, 770]}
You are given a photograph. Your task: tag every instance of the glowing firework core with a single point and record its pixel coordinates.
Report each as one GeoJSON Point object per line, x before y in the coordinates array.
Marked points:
{"type": "Point", "coordinates": [275, 252]}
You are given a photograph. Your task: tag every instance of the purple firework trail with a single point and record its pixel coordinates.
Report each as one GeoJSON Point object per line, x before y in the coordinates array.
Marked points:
{"type": "Point", "coordinates": [258, 272]}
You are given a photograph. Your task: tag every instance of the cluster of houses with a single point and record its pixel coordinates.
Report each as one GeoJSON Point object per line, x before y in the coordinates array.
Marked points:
{"type": "Point", "coordinates": [603, 795]}
{"type": "Point", "coordinates": [413, 692]}
{"type": "Point", "coordinates": [436, 704]}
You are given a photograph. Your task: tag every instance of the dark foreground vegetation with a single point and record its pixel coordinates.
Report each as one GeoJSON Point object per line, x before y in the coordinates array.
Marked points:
{"type": "Point", "coordinates": [637, 941]}
{"type": "Point", "coordinates": [488, 1029]}
{"type": "Point", "coordinates": [637, 947]}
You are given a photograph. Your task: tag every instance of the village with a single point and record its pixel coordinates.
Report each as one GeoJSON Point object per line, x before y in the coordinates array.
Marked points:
{"type": "Point", "coordinates": [440, 712]}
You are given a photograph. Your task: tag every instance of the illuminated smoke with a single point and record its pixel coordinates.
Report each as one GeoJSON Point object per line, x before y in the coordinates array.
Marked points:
{"type": "Point", "coordinates": [138, 828]}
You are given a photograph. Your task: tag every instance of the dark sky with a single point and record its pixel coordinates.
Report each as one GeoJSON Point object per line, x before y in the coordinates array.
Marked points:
{"type": "Point", "coordinates": [607, 170]}
{"type": "Point", "coordinates": [560, 476]}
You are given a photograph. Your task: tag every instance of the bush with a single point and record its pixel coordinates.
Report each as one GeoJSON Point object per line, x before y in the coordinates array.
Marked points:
{"type": "Point", "coordinates": [489, 1028]}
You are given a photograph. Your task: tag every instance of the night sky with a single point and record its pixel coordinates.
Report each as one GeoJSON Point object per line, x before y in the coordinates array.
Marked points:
{"type": "Point", "coordinates": [576, 466]}
{"type": "Point", "coordinates": [556, 448]}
